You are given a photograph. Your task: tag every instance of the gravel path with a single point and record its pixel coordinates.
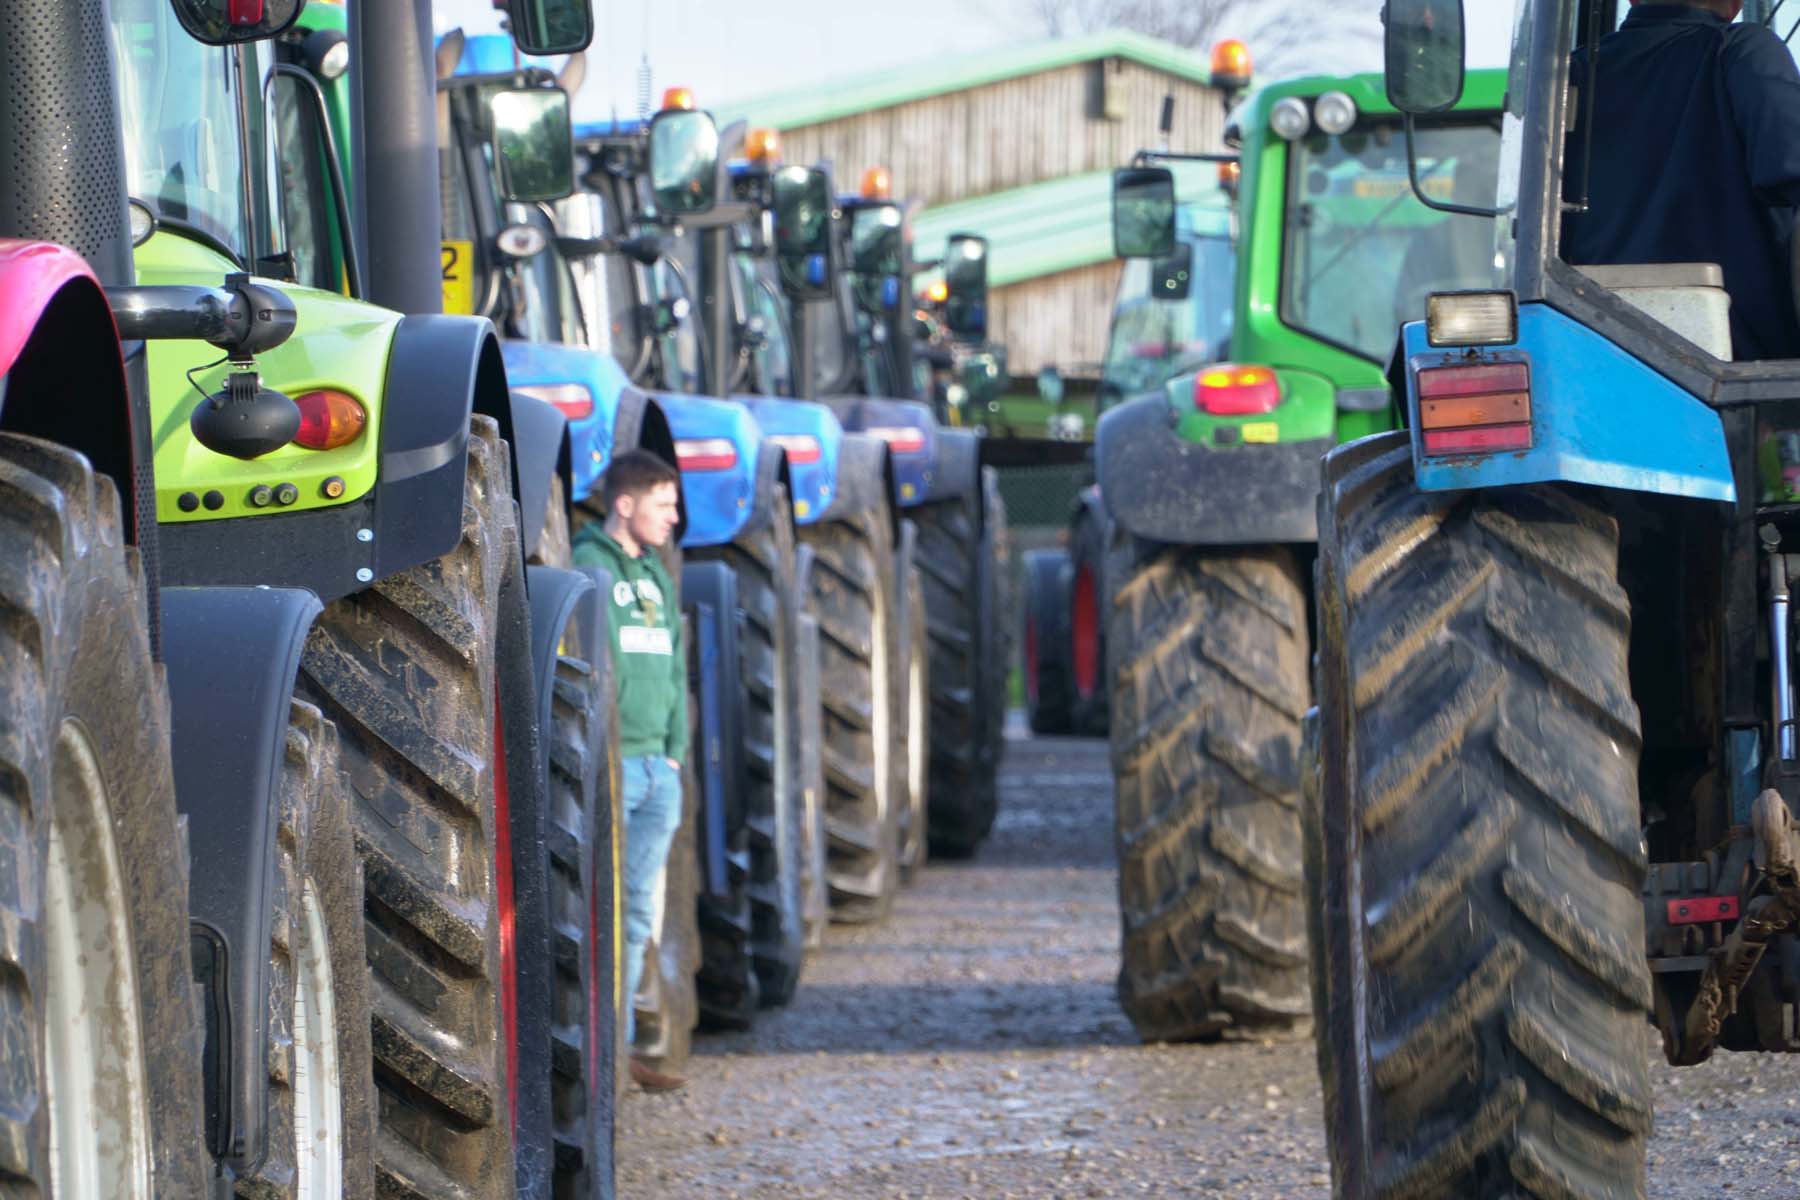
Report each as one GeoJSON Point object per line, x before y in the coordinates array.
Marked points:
{"type": "Point", "coordinates": [971, 1046]}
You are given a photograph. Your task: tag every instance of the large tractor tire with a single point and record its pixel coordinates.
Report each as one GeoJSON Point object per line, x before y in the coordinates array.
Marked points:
{"type": "Point", "coordinates": [915, 732]}
{"type": "Point", "coordinates": [1049, 688]}
{"type": "Point", "coordinates": [853, 592]}
{"type": "Point", "coordinates": [322, 1102]}
{"type": "Point", "coordinates": [1481, 959]}
{"type": "Point", "coordinates": [667, 1000]}
{"type": "Point", "coordinates": [1087, 621]}
{"type": "Point", "coordinates": [103, 1027]}
{"type": "Point", "coordinates": [1209, 685]}
{"type": "Point", "coordinates": [406, 670]}
{"type": "Point", "coordinates": [762, 558]}
{"type": "Point", "coordinates": [815, 891]}
{"type": "Point", "coordinates": [584, 850]}
{"type": "Point", "coordinates": [963, 554]}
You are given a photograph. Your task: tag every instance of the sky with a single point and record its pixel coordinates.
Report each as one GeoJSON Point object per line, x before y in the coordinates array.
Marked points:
{"type": "Point", "coordinates": [730, 49]}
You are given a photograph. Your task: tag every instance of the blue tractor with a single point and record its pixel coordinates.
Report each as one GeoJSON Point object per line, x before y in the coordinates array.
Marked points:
{"type": "Point", "coordinates": [846, 265]}
{"type": "Point", "coordinates": [708, 316]}
{"type": "Point", "coordinates": [1555, 750]}
{"type": "Point", "coordinates": [733, 936]}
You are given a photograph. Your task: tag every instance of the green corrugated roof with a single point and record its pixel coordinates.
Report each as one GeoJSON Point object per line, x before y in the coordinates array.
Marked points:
{"type": "Point", "coordinates": [882, 89]}
{"type": "Point", "coordinates": [1044, 228]}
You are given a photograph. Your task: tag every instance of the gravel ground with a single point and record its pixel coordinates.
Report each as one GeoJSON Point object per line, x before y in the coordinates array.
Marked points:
{"type": "Point", "coordinates": [971, 1046]}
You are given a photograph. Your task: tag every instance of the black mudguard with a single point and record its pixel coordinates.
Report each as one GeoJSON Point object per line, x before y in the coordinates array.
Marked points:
{"type": "Point", "coordinates": [771, 469]}
{"type": "Point", "coordinates": [1163, 489]}
{"type": "Point", "coordinates": [957, 471]}
{"type": "Point", "coordinates": [233, 655]}
{"type": "Point", "coordinates": [541, 453]}
{"type": "Point", "coordinates": [865, 479]}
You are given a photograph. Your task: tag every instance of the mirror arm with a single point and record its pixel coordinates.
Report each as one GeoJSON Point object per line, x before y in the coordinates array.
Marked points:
{"type": "Point", "coordinates": [340, 193]}
{"type": "Point", "coordinates": [1412, 176]}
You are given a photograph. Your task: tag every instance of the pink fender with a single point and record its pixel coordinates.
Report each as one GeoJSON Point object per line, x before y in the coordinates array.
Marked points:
{"type": "Point", "coordinates": [31, 276]}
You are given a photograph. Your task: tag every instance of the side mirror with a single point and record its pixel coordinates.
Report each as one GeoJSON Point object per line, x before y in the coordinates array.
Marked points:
{"type": "Point", "coordinates": [224, 22]}
{"type": "Point", "coordinates": [1050, 386]}
{"type": "Point", "coordinates": [875, 240]}
{"type": "Point", "coordinates": [1171, 277]}
{"type": "Point", "coordinates": [802, 203]}
{"type": "Point", "coordinates": [966, 286]}
{"type": "Point", "coordinates": [1143, 212]}
{"type": "Point", "coordinates": [1424, 54]}
{"type": "Point", "coordinates": [551, 26]}
{"type": "Point", "coordinates": [534, 142]}
{"type": "Point", "coordinates": [684, 159]}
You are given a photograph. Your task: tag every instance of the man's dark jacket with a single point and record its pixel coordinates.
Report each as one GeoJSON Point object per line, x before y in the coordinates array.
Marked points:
{"type": "Point", "coordinates": [1696, 159]}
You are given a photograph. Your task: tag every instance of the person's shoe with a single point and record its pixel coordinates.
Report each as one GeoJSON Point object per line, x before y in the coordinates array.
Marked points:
{"type": "Point", "coordinates": [653, 1080]}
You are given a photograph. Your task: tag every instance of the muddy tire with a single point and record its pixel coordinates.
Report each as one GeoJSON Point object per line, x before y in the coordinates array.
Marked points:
{"type": "Point", "coordinates": [762, 558]}
{"type": "Point", "coordinates": [94, 851]}
{"type": "Point", "coordinates": [965, 607]}
{"type": "Point", "coordinates": [1049, 689]}
{"type": "Point", "coordinates": [317, 952]}
{"type": "Point", "coordinates": [809, 735]}
{"type": "Point", "coordinates": [668, 1001]}
{"type": "Point", "coordinates": [1208, 688]}
{"type": "Point", "coordinates": [1088, 706]}
{"type": "Point", "coordinates": [853, 594]}
{"type": "Point", "coordinates": [914, 751]}
{"type": "Point", "coordinates": [406, 670]}
{"type": "Point", "coordinates": [583, 874]}
{"type": "Point", "coordinates": [1480, 852]}
{"type": "Point", "coordinates": [555, 547]}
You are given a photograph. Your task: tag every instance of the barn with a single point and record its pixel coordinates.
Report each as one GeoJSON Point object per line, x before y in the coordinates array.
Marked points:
{"type": "Point", "coordinates": [1017, 145]}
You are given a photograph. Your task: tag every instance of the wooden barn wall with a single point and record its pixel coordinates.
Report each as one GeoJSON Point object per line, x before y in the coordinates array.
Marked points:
{"type": "Point", "coordinates": [1056, 320]}
{"type": "Point", "coordinates": [1008, 134]}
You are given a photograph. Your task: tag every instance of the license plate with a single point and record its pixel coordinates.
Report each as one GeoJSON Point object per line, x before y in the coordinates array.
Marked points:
{"type": "Point", "coordinates": [1265, 433]}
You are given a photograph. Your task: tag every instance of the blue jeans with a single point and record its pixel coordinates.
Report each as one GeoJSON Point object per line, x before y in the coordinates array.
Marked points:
{"type": "Point", "coordinates": [652, 814]}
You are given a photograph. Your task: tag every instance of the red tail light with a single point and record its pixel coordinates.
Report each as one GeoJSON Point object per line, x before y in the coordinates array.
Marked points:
{"type": "Point", "coordinates": [329, 419]}
{"type": "Point", "coordinates": [706, 454]}
{"type": "Point", "coordinates": [801, 447]}
{"type": "Point", "coordinates": [1228, 390]}
{"type": "Point", "coordinates": [244, 12]}
{"type": "Point", "coordinates": [573, 400]}
{"type": "Point", "coordinates": [901, 439]}
{"type": "Point", "coordinates": [1476, 409]}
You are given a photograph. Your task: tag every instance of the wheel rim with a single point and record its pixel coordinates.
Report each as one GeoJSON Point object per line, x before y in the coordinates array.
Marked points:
{"type": "Point", "coordinates": [318, 1096]}
{"type": "Point", "coordinates": [94, 1078]}
{"type": "Point", "coordinates": [915, 743]}
{"type": "Point", "coordinates": [1086, 619]}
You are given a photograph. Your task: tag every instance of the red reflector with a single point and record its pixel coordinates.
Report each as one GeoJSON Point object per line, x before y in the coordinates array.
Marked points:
{"type": "Point", "coordinates": [244, 12]}
{"type": "Point", "coordinates": [706, 454]}
{"type": "Point", "coordinates": [1436, 383]}
{"type": "Point", "coordinates": [328, 419]}
{"type": "Point", "coordinates": [573, 400]}
{"type": "Point", "coordinates": [1697, 910]}
{"type": "Point", "coordinates": [1479, 440]}
{"type": "Point", "coordinates": [1228, 390]}
{"type": "Point", "coordinates": [801, 447]}
{"type": "Point", "coordinates": [901, 439]}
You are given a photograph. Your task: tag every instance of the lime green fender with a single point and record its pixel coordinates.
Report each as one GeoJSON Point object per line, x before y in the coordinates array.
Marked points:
{"type": "Point", "coordinates": [338, 343]}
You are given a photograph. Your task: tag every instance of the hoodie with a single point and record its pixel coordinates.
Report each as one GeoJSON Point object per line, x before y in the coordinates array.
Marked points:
{"type": "Point", "coordinates": [649, 665]}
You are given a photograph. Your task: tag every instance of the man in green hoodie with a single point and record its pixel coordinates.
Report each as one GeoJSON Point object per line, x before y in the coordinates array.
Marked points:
{"type": "Point", "coordinates": [642, 498]}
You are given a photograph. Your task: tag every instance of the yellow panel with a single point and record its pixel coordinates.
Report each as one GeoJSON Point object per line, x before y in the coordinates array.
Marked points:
{"type": "Point", "coordinates": [459, 277]}
{"type": "Point", "coordinates": [1263, 432]}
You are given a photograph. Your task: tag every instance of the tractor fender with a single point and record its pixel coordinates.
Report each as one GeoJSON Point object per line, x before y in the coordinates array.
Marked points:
{"type": "Point", "coordinates": [720, 496]}
{"type": "Point", "coordinates": [709, 597]}
{"type": "Point", "coordinates": [771, 468]}
{"type": "Point", "coordinates": [57, 339]}
{"type": "Point", "coordinates": [1163, 489]}
{"type": "Point", "coordinates": [812, 484]}
{"type": "Point", "coordinates": [233, 654]}
{"type": "Point", "coordinates": [541, 450]}
{"type": "Point", "coordinates": [865, 480]}
{"type": "Point", "coordinates": [915, 465]}
{"type": "Point", "coordinates": [957, 471]}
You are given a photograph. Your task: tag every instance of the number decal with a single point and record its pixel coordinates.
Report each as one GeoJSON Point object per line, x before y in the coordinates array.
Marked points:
{"type": "Point", "coordinates": [459, 277]}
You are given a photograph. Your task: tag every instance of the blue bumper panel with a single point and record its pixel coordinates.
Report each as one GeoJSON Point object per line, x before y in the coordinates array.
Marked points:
{"type": "Point", "coordinates": [591, 436]}
{"type": "Point", "coordinates": [719, 501]}
{"type": "Point", "coordinates": [915, 471]}
{"type": "Point", "coordinates": [814, 483]}
{"type": "Point", "coordinates": [1598, 416]}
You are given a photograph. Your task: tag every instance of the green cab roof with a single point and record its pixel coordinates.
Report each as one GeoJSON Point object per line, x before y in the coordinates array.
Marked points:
{"type": "Point", "coordinates": [794, 108]}
{"type": "Point", "coordinates": [1058, 225]}
{"type": "Point", "coordinates": [1483, 89]}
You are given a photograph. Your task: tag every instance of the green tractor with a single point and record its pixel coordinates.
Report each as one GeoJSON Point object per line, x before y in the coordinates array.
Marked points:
{"type": "Point", "coordinates": [380, 463]}
{"type": "Point", "coordinates": [1195, 553]}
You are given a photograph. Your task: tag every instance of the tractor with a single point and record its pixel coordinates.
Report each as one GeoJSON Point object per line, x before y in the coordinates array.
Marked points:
{"type": "Point", "coordinates": [1190, 561]}
{"type": "Point", "coordinates": [1555, 761]}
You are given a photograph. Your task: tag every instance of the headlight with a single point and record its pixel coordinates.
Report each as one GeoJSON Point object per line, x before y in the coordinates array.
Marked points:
{"type": "Point", "coordinates": [1289, 119]}
{"type": "Point", "coordinates": [1335, 113]}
